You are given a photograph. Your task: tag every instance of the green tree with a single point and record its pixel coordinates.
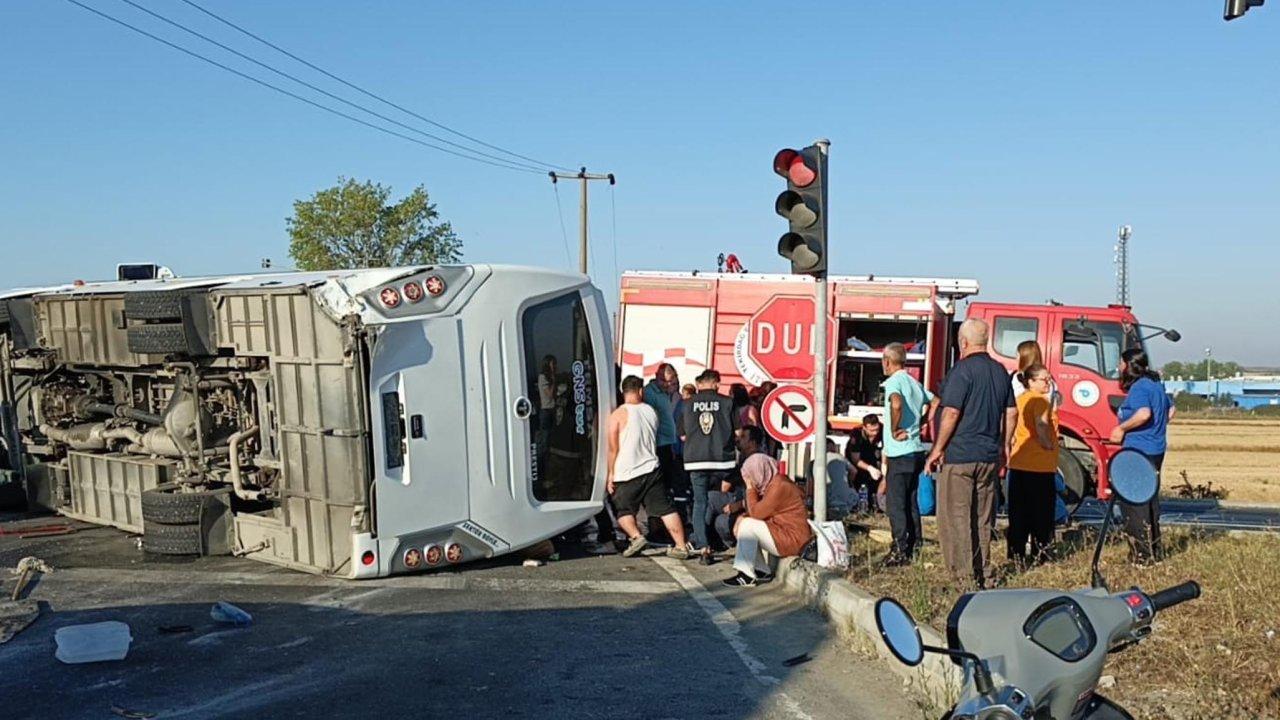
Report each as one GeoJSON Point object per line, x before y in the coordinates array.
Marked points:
{"type": "Point", "coordinates": [352, 225]}
{"type": "Point", "coordinates": [1196, 370]}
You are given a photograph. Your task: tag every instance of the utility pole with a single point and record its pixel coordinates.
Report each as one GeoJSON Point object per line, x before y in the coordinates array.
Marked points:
{"type": "Point", "coordinates": [583, 176]}
{"type": "Point", "coordinates": [1122, 266]}
{"type": "Point", "coordinates": [1208, 372]}
{"type": "Point", "coordinates": [820, 365]}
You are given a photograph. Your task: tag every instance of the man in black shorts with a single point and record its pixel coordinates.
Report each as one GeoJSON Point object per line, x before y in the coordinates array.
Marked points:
{"type": "Point", "coordinates": [635, 477]}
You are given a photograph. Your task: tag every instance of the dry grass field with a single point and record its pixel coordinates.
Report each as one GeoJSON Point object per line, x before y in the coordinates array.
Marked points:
{"type": "Point", "coordinates": [1214, 658]}
{"type": "Point", "coordinates": [1217, 657]}
{"type": "Point", "coordinates": [1239, 455]}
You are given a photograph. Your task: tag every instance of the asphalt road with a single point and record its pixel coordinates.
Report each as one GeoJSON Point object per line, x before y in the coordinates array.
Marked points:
{"type": "Point", "coordinates": [579, 638]}
{"type": "Point", "coordinates": [1209, 514]}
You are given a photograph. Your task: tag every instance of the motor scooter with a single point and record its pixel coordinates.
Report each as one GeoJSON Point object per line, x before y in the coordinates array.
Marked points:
{"type": "Point", "coordinates": [1037, 654]}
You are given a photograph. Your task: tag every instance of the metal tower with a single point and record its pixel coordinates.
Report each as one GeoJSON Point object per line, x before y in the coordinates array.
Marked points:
{"type": "Point", "coordinates": [1122, 266]}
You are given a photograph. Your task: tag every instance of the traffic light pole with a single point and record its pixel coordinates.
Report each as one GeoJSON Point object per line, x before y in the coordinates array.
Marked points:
{"type": "Point", "coordinates": [820, 366]}
{"type": "Point", "coordinates": [583, 176]}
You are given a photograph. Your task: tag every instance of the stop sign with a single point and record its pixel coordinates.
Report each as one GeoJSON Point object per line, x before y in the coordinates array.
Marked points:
{"type": "Point", "coordinates": [781, 338]}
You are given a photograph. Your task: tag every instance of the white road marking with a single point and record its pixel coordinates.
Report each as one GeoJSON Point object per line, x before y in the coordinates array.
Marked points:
{"type": "Point", "coordinates": [290, 579]}
{"type": "Point", "coordinates": [238, 700]}
{"type": "Point", "coordinates": [729, 627]}
{"type": "Point", "coordinates": [294, 643]}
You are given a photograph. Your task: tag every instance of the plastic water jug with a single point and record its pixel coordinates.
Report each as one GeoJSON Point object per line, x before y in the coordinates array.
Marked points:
{"type": "Point", "coordinates": [94, 642]}
{"type": "Point", "coordinates": [228, 614]}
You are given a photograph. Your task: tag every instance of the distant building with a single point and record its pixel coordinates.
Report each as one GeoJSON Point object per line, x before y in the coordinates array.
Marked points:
{"type": "Point", "coordinates": [1245, 392]}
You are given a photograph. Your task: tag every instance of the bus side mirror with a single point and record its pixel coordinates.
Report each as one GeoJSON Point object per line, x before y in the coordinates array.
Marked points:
{"type": "Point", "coordinates": [1172, 335]}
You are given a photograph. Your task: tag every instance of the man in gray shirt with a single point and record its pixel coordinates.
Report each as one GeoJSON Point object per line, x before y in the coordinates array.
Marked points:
{"type": "Point", "coordinates": [840, 497]}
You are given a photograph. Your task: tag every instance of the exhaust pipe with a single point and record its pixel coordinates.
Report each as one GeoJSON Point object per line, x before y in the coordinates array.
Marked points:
{"type": "Point", "coordinates": [87, 436]}
{"type": "Point", "coordinates": [122, 411]}
{"type": "Point", "coordinates": [237, 481]}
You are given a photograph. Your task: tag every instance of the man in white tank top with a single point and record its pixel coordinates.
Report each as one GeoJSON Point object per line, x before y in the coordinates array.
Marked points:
{"type": "Point", "coordinates": [635, 478]}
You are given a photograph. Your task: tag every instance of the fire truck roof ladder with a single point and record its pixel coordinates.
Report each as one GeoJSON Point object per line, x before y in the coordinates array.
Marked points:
{"type": "Point", "coordinates": [953, 288]}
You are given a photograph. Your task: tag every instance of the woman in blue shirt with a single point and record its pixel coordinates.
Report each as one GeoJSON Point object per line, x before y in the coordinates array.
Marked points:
{"type": "Point", "coordinates": [1144, 423]}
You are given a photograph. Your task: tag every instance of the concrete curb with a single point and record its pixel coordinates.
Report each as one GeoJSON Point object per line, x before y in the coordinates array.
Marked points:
{"type": "Point", "coordinates": [852, 610]}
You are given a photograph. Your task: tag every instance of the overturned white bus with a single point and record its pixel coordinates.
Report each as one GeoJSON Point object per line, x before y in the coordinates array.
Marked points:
{"type": "Point", "coordinates": [356, 423]}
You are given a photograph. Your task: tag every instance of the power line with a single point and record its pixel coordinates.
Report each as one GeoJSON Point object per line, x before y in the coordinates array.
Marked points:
{"type": "Point", "coordinates": [564, 234]}
{"type": "Point", "coordinates": [296, 96]}
{"type": "Point", "coordinates": [322, 91]}
{"type": "Point", "coordinates": [369, 93]}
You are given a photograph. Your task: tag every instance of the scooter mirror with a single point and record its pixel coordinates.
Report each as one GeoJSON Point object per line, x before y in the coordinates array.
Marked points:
{"type": "Point", "coordinates": [899, 631]}
{"type": "Point", "coordinates": [1133, 477]}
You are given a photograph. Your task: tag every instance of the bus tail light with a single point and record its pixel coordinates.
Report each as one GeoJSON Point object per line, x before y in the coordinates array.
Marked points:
{"type": "Point", "coordinates": [453, 553]}
{"type": "Point", "coordinates": [434, 554]}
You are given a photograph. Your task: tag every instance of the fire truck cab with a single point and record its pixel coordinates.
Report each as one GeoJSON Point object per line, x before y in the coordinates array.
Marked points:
{"type": "Point", "coordinates": [1082, 347]}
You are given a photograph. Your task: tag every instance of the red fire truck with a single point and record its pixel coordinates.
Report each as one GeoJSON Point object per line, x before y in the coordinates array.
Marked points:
{"type": "Point", "coordinates": [753, 329]}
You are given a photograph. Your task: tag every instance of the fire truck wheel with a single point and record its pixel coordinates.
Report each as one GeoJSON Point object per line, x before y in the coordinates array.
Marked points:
{"type": "Point", "coordinates": [1074, 476]}
{"type": "Point", "coordinates": [160, 539]}
{"type": "Point", "coordinates": [163, 504]}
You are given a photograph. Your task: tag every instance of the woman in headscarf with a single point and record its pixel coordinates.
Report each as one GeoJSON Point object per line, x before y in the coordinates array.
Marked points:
{"type": "Point", "coordinates": [776, 522]}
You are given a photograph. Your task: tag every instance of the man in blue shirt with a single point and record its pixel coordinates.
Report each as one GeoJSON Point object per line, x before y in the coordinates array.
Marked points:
{"type": "Point", "coordinates": [978, 419]}
{"type": "Point", "coordinates": [904, 403]}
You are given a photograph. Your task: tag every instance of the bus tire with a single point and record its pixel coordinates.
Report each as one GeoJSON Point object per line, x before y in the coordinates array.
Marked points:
{"type": "Point", "coordinates": [1074, 476]}
{"type": "Point", "coordinates": [154, 305]}
{"type": "Point", "coordinates": [161, 539]}
{"type": "Point", "coordinates": [158, 339]}
{"type": "Point", "coordinates": [13, 496]}
{"type": "Point", "coordinates": [162, 504]}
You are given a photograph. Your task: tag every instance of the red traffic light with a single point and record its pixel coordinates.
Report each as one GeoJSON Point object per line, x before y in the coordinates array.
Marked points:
{"type": "Point", "coordinates": [792, 165]}
{"type": "Point", "coordinates": [782, 161]}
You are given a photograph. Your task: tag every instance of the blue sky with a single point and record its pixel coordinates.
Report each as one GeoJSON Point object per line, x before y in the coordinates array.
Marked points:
{"type": "Point", "coordinates": [1000, 141]}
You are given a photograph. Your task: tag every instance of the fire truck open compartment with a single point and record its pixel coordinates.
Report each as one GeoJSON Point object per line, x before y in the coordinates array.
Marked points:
{"type": "Point", "coordinates": [859, 348]}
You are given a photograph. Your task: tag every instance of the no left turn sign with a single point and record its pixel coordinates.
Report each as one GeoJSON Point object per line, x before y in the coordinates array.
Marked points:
{"type": "Point", "coordinates": [787, 414]}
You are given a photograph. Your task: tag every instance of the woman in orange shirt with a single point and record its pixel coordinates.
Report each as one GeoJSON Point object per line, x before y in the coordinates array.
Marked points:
{"type": "Point", "coordinates": [1033, 461]}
